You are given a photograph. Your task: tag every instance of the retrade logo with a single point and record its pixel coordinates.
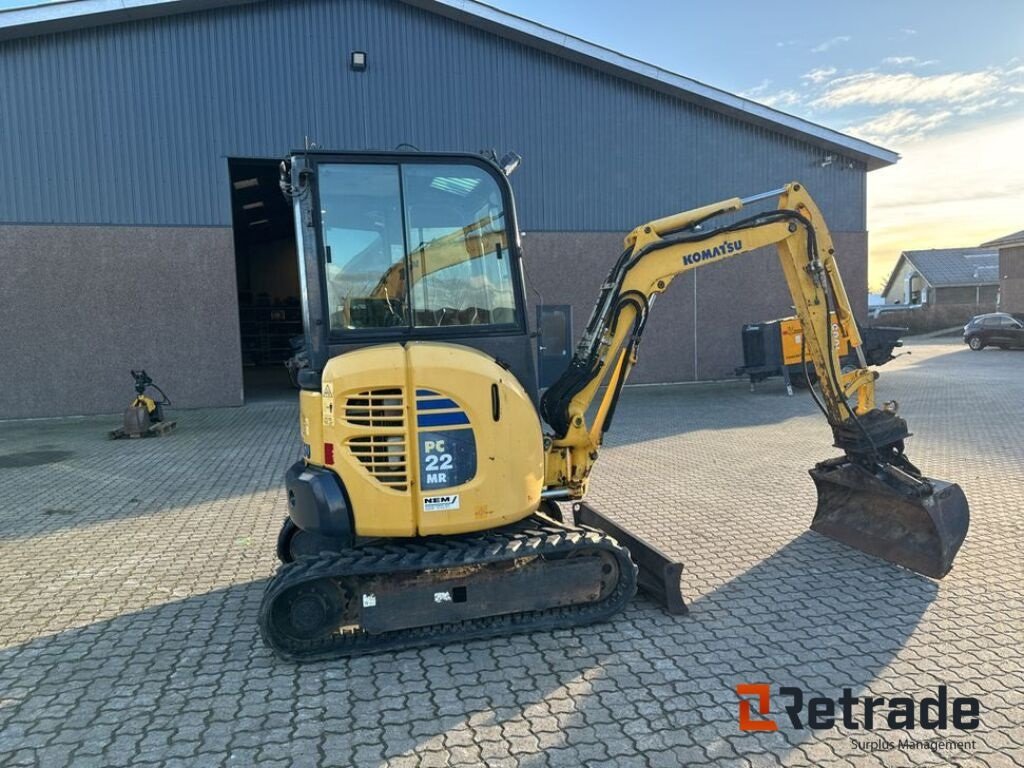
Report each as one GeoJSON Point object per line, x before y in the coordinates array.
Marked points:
{"type": "Point", "coordinates": [763, 694]}
{"type": "Point", "coordinates": [938, 712]}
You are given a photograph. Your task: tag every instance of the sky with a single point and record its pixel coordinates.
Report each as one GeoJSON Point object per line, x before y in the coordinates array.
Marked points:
{"type": "Point", "coordinates": [939, 81]}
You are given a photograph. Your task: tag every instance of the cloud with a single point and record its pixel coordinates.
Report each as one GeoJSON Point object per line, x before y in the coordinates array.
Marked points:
{"type": "Point", "coordinates": [780, 99]}
{"type": "Point", "coordinates": [899, 126]}
{"type": "Point", "coordinates": [758, 90]}
{"type": "Point", "coordinates": [909, 60]}
{"type": "Point", "coordinates": [917, 105]}
{"type": "Point", "coordinates": [959, 189]}
{"type": "Point", "coordinates": [981, 106]}
{"type": "Point", "coordinates": [875, 88]}
{"type": "Point", "coordinates": [763, 94]}
{"type": "Point", "coordinates": [819, 74]}
{"type": "Point", "coordinates": [903, 107]}
{"type": "Point", "coordinates": [832, 42]}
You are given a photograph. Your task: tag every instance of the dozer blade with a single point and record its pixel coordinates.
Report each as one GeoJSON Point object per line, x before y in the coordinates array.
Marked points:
{"type": "Point", "coordinates": [659, 575]}
{"type": "Point", "coordinates": [920, 530]}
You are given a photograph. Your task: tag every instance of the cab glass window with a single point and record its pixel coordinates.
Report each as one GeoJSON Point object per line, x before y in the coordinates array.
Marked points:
{"type": "Point", "coordinates": [364, 245]}
{"type": "Point", "coordinates": [457, 245]}
{"type": "Point", "coordinates": [414, 244]}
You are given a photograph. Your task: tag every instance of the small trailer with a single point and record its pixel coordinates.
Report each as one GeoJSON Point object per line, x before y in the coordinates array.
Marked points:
{"type": "Point", "coordinates": [774, 348]}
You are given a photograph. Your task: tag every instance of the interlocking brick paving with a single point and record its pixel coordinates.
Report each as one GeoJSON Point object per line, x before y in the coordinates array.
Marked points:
{"type": "Point", "coordinates": [132, 572]}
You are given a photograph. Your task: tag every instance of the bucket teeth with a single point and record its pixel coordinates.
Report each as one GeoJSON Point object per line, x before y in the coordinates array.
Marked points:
{"type": "Point", "coordinates": [918, 525]}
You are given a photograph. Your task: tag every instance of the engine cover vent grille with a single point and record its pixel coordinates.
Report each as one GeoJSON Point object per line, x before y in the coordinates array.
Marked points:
{"type": "Point", "coordinates": [376, 408]}
{"type": "Point", "coordinates": [383, 455]}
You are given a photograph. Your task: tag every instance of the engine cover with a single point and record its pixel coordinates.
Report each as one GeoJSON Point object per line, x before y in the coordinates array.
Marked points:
{"type": "Point", "coordinates": [427, 438]}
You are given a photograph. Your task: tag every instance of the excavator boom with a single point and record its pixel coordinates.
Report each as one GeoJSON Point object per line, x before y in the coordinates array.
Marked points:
{"type": "Point", "coordinates": [872, 498]}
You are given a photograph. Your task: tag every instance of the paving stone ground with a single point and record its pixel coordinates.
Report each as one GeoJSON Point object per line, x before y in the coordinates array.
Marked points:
{"type": "Point", "coordinates": [131, 573]}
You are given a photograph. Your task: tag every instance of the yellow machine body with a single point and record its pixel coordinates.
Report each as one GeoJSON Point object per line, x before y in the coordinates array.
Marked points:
{"type": "Point", "coordinates": [792, 332]}
{"type": "Point", "coordinates": [427, 438]}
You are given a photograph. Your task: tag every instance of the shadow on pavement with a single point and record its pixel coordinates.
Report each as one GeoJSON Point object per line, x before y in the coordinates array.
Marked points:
{"type": "Point", "coordinates": [650, 413]}
{"type": "Point", "coordinates": [191, 678]}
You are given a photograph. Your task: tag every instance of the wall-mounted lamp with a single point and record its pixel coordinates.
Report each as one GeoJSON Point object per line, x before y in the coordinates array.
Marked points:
{"type": "Point", "coordinates": [358, 61]}
{"type": "Point", "coordinates": [827, 161]}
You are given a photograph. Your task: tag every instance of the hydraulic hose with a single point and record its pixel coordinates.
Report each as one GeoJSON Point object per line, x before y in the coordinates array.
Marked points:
{"type": "Point", "coordinates": [642, 306]}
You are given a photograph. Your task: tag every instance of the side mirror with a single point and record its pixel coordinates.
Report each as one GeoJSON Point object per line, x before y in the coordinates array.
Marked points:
{"type": "Point", "coordinates": [509, 162]}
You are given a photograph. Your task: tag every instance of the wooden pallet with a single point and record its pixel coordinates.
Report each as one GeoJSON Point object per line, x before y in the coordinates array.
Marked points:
{"type": "Point", "coordinates": [159, 429]}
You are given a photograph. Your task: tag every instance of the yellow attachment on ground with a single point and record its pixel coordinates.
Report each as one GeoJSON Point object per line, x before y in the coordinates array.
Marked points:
{"type": "Point", "coordinates": [146, 402]}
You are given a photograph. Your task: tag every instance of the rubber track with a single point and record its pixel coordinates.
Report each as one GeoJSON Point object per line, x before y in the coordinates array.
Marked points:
{"type": "Point", "coordinates": [526, 539]}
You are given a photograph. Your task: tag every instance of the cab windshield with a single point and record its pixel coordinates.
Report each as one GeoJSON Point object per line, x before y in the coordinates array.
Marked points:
{"type": "Point", "coordinates": [414, 245]}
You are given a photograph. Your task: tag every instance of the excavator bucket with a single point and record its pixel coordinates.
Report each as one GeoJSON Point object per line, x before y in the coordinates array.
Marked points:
{"type": "Point", "coordinates": [919, 529]}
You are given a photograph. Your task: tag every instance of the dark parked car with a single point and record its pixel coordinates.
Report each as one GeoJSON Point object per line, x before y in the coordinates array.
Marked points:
{"type": "Point", "coordinates": [997, 329]}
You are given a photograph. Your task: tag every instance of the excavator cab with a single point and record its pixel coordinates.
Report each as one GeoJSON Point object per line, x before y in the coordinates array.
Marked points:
{"type": "Point", "coordinates": [404, 246]}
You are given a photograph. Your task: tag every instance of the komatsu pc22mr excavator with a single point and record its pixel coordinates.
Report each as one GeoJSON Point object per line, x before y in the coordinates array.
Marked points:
{"type": "Point", "coordinates": [423, 509]}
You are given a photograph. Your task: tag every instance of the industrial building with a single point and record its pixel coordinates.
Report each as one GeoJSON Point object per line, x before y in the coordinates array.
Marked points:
{"type": "Point", "coordinates": [141, 223]}
{"type": "Point", "coordinates": [1011, 270]}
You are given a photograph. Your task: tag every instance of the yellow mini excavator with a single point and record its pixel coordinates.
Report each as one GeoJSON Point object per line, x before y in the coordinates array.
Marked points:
{"type": "Point", "coordinates": [423, 509]}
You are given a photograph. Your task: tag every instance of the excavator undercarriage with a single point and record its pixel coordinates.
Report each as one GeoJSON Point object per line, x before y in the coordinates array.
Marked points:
{"type": "Point", "coordinates": [536, 574]}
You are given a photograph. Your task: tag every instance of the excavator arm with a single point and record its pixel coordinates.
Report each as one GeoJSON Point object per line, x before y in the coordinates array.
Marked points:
{"type": "Point", "coordinates": [656, 253]}
{"type": "Point", "coordinates": [872, 497]}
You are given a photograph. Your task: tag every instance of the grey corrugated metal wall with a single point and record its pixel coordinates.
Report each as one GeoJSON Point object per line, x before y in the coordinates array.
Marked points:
{"type": "Point", "coordinates": [131, 123]}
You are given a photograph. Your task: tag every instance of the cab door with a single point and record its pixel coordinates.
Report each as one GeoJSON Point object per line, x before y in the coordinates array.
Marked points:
{"type": "Point", "coordinates": [554, 341]}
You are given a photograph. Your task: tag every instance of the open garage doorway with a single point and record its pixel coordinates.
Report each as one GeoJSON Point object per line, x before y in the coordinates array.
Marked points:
{"type": "Point", "coordinates": [266, 266]}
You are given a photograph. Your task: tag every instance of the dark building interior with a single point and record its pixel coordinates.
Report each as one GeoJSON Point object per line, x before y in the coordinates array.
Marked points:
{"type": "Point", "coordinates": [269, 301]}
